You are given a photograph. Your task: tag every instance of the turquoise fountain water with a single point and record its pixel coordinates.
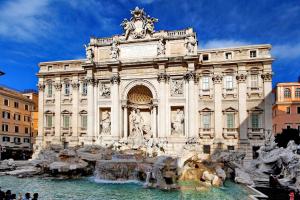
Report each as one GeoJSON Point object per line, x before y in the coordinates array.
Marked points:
{"type": "Point", "coordinates": [88, 189]}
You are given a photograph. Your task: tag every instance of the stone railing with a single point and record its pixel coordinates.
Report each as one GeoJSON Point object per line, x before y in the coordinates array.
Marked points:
{"type": "Point", "coordinates": [255, 133]}
{"type": "Point", "coordinates": [206, 133]}
{"type": "Point", "coordinates": [49, 131]}
{"type": "Point", "coordinates": [230, 133]}
{"type": "Point", "coordinates": [101, 41]}
{"type": "Point", "coordinates": [206, 92]}
{"type": "Point", "coordinates": [179, 33]}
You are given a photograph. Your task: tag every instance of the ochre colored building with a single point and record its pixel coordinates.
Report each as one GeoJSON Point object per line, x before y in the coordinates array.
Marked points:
{"type": "Point", "coordinates": [17, 126]}
{"type": "Point", "coordinates": [286, 109]}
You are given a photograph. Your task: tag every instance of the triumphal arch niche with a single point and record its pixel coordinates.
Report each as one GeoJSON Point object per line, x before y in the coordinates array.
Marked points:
{"type": "Point", "coordinates": [145, 84]}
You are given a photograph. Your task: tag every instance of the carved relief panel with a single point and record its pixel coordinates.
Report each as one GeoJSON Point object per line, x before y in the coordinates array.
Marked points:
{"type": "Point", "coordinates": [104, 89]}
{"type": "Point", "coordinates": [176, 88]}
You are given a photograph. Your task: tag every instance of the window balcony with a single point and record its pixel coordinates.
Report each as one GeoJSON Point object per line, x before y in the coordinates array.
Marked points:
{"type": "Point", "coordinates": [206, 133]}
{"type": "Point", "coordinates": [49, 131]}
{"type": "Point", "coordinates": [230, 133]}
{"type": "Point", "coordinates": [256, 133]}
{"type": "Point", "coordinates": [254, 91]}
{"type": "Point", "coordinates": [66, 131]}
{"type": "Point", "coordinates": [205, 92]}
{"type": "Point", "coordinates": [82, 131]}
{"type": "Point", "coordinates": [229, 92]}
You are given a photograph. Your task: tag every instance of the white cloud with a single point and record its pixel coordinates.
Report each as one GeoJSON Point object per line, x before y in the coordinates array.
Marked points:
{"type": "Point", "coordinates": [221, 43]}
{"type": "Point", "coordinates": [23, 19]}
{"type": "Point", "coordinates": [286, 51]}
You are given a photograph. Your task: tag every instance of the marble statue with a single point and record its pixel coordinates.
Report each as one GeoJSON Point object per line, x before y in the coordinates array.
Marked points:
{"type": "Point", "coordinates": [105, 90]}
{"type": "Point", "coordinates": [177, 124]}
{"type": "Point", "coordinates": [161, 49]}
{"type": "Point", "coordinates": [136, 123]}
{"type": "Point", "coordinates": [127, 26]}
{"type": "Point", "coordinates": [114, 50]}
{"type": "Point", "coordinates": [177, 87]}
{"type": "Point", "coordinates": [190, 44]}
{"type": "Point", "coordinates": [89, 53]}
{"type": "Point", "coordinates": [105, 123]}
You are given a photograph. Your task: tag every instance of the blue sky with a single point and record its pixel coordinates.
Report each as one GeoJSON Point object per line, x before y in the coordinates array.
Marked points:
{"type": "Point", "coordinates": [32, 31]}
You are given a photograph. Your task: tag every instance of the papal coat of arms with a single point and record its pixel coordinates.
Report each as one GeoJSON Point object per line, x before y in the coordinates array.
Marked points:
{"type": "Point", "coordinates": [140, 24]}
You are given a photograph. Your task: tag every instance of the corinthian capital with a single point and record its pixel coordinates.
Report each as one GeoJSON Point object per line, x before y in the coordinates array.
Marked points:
{"type": "Point", "coordinates": [267, 76]}
{"type": "Point", "coordinates": [115, 79]}
{"type": "Point", "coordinates": [217, 78]}
{"type": "Point", "coordinates": [75, 86]}
{"type": "Point", "coordinates": [58, 86]}
{"type": "Point", "coordinates": [90, 81]}
{"type": "Point", "coordinates": [190, 76]}
{"type": "Point", "coordinates": [163, 77]}
{"type": "Point", "coordinates": [241, 78]}
{"type": "Point", "coordinates": [41, 87]}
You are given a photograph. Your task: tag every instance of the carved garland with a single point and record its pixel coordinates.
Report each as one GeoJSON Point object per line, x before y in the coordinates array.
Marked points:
{"type": "Point", "coordinates": [58, 86]}
{"type": "Point", "coordinates": [75, 85]}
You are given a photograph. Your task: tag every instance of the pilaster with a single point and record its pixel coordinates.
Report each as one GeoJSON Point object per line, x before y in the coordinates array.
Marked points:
{"type": "Point", "coordinates": [91, 110]}
{"type": "Point", "coordinates": [217, 81]}
{"type": "Point", "coordinates": [115, 106]}
{"type": "Point", "coordinates": [57, 128]}
{"type": "Point", "coordinates": [75, 111]}
{"type": "Point", "coordinates": [267, 80]}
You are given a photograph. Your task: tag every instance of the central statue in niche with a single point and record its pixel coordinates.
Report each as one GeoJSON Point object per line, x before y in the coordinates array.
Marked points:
{"type": "Point", "coordinates": [139, 119]}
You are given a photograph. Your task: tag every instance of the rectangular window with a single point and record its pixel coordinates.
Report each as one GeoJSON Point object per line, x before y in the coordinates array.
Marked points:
{"type": "Point", "coordinates": [16, 105]}
{"type": "Point", "coordinates": [6, 139]}
{"type": "Point", "coordinates": [288, 110]}
{"type": "Point", "coordinates": [6, 102]}
{"type": "Point", "coordinates": [206, 149]}
{"type": "Point", "coordinates": [26, 140]}
{"type": "Point", "coordinates": [49, 68]}
{"type": "Point", "coordinates": [26, 130]}
{"type": "Point", "coordinates": [84, 121]}
{"type": "Point", "coordinates": [254, 81]}
{"type": "Point", "coordinates": [49, 90]}
{"type": "Point", "coordinates": [229, 82]}
{"type": "Point", "coordinates": [206, 121]}
{"type": "Point", "coordinates": [17, 140]}
{"type": "Point", "coordinates": [48, 121]}
{"type": "Point", "coordinates": [16, 129]}
{"type": "Point", "coordinates": [66, 121]}
{"type": "Point", "coordinates": [26, 107]}
{"type": "Point", "coordinates": [66, 67]}
{"type": "Point", "coordinates": [230, 148]}
{"type": "Point", "coordinates": [84, 88]}
{"type": "Point", "coordinates": [228, 55]}
{"type": "Point", "coordinates": [5, 127]}
{"type": "Point", "coordinates": [230, 120]}
{"type": "Point", "coordinates": [205, 83]}
{"type": "Point", "coordinates": [67, 89]}
{"type": "Point", "coordinates": [205, 57]}
{"type": "Point", "coordinates": [5, 115]}
{"type": "Point", "coordinates": [255, 121]}
{"type": "Point", "coordinates": [298, 110]}
{"type": "Point", "coordinates": [253, 54]}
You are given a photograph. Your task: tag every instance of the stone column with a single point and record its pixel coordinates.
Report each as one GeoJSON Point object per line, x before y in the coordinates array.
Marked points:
{"type": "Point", "coordinates": [90, 109]}
{"type": "Point", "coordinates": [125, 118]}
{"type": "Point", "coordinates": [162, 105]}
{"type": "Point", "coordinates": [40, 138]}
{"type": "Point", "coordinates": [115, 111]}
{"type": "Point", "coordinates": [191, 106]}
{"type": "Point", "coordinates": [217, 80]}
{"type": "Point", "coordinates": [154, 121]}
{"type": "Point", "coordinates": [267, 78]}
{"type": "Point", "coordinates": [75, 111]}
{"type": "Point", "coordinates": [242, 92]}
{"type": "Point", "coordinates": [57, 121]}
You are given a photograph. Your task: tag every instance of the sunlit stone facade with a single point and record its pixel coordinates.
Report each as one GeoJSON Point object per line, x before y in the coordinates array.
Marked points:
{"type": "Point", "coordinates": [160, 85]}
